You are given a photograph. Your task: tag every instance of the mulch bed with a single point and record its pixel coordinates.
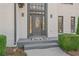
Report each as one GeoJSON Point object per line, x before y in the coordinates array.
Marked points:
{"type": "Point", "coordinates": [73, 53]}
{"type": "Point", "coordinates": [13, 51]}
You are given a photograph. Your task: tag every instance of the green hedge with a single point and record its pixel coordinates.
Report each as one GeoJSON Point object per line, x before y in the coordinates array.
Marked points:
{"type": "Point", "coordinates": [77, 32]}
{"type": "Point", "coordinates": [2, 45]}
{"type": "Point", "coordinates": [69, 42]}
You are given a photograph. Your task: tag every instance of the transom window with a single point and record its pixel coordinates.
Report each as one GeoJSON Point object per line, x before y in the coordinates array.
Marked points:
{"type": "Point", "coordinates": [37, 8]}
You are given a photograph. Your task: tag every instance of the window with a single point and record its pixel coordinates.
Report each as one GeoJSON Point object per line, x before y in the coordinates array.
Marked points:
{"type": "Point", "coordinates": [72, 24]}
{"type": "Point", "coordinates": [36, 8]}
{"type": "Point", "coordinates": [20, 5]}
{"type": "Point", "coordinates": [60, 24]}
{"type": "Point", "coordinates": [68, 3]}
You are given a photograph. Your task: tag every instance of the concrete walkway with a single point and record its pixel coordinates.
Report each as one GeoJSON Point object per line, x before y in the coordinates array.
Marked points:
{"type": "Point", "coordinates": [55, 51]}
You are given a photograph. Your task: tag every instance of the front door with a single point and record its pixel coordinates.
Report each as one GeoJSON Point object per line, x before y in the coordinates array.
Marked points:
{"type": "Point", "coordinates": [37, 24]}
{"type": "Point", "coordinates": [37, 19]}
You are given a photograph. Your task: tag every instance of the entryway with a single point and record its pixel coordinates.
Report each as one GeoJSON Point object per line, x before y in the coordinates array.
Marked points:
{"type": "Point", "coordinates": [37, 20]}
{"type": "Point", "coordinates": [37, 29]}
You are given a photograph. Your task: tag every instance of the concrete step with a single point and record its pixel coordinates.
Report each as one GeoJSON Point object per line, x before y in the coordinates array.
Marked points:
{"type": "Point", "coordinates": [21, 43]}
{"type": "Point", "coordinates": [35, 41]}
{"type": "Point", "coordinates": [40, 46]}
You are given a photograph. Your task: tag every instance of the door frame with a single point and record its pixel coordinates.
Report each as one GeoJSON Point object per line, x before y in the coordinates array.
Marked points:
{"type": "Point", "coordinates": [46, 18]}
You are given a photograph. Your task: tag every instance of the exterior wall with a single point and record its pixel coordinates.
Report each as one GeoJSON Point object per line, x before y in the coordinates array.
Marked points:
{"type": "Point", "coordinates": [53, 9]}
{"type": "Point", "coordinates": [67, 10]}
{"type": "Point", "coordinates": [7, 22]}
{"type": "Point", "coordinates": [21, 22]}
{"type": "Point", "coordinates": [52, 22]}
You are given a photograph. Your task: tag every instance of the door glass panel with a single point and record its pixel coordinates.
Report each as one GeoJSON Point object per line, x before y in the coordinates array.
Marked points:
{"type": "Point", "coordinates": [37, 22]}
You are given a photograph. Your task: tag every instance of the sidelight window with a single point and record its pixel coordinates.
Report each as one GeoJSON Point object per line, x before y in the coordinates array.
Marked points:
{"type": "Point", "coordinates": [60, 24]}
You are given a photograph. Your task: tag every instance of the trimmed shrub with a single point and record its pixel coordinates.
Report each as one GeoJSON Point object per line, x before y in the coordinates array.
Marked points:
{"type": "Point", "coordinates": [69, 41]}
{"type": "Point", "coordinates": [77, 32]}
{"type": "Point", "coordinates": [2, 45]}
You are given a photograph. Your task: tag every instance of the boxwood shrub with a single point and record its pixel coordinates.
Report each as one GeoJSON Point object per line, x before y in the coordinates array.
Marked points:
{"type": "Point", "coordinates": [2, 45]}
{"type": "Point", "coordinates": [69, 42]}
{"type": "Point", "coordinates": [77, 32]}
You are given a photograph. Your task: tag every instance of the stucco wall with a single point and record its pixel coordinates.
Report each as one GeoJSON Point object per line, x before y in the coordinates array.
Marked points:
{"type": "Point", "coordinates": [7, 22]}
{"type": "Point", "coordinates": [52, 22]}
{"type": "Point", "coordinates": [21, 22]}
{"type": "Point", "coordinates": [67, 10]}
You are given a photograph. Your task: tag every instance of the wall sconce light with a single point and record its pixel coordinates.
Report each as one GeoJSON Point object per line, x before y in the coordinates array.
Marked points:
{"type": "Point", "coordinates": [22, 14]}
{"type": "Point", "coordinates": [51, 16]}
{"type": "Point", "coordinates": [20, 5]}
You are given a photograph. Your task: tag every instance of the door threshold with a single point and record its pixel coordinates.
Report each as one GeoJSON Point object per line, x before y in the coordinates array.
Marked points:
{"type": "Point", "coordinates": [36, 37]}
